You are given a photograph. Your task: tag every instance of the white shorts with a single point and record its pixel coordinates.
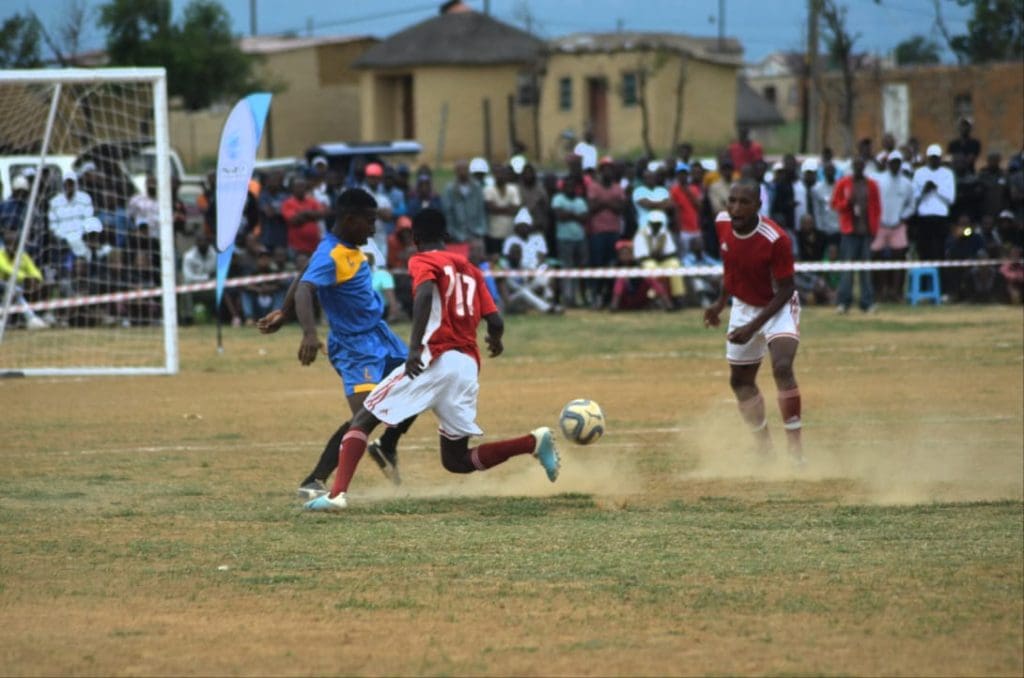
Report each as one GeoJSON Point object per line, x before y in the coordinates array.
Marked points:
{"type": "Point", "coordinates": [785, 323]}
{"type": "Point", "coordinates": [449, 387]}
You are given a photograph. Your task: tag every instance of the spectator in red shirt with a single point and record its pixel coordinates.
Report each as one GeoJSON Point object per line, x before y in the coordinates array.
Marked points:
{"type": "Point", "coordinates": [687, 198]}
{"type": "Point", "coordinates": [301, 213]}
{"type": "Point", "coordinates": [858, 202]}
{"type": "Point", "coordinates": [744, 151]}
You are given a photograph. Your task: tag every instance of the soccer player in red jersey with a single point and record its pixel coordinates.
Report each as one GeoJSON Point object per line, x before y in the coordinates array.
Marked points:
{"type": "Point", "coordinates": [442, 372]}
{"type": "Point", "coordinates": [757, 256]}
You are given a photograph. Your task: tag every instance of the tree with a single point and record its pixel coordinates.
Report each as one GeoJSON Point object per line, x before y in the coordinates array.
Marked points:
{"type": "Point", "coordinates": [209, 65]}
{"type": "Point", "coordinates": [840, 50]}
{"type": "Point", "coordinates": [917, 49]}
{"type": "Point", "coordinates": [66, 42]}
{"type": "Point", "coordinates": [19, 42]}
{"type": "Point", "coordinates": [994, 33]}
{"type": "Point", "coordinates": [203, 62]}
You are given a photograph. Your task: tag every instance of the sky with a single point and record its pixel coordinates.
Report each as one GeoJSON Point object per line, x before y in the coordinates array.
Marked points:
{"type": "Point", "coordinates": [762, 26]}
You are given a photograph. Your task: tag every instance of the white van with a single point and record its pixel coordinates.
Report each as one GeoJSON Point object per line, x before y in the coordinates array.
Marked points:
{"type": "Point", "coordinates": [14, 165]}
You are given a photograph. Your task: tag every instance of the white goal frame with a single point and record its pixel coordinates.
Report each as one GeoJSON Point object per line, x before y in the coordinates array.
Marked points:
{"type": "Point", "coordinates": [157, 77]}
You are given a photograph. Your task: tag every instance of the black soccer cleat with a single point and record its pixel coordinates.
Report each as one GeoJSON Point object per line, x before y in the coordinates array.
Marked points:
{"type": "Point", "coordinates": [387, 460]}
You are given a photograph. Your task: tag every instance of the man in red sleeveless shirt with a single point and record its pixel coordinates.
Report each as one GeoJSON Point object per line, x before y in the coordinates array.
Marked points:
{"type": "Point", "coordinates": [757, 257]}
{"type": "Point", "coordinates": [442, 372]}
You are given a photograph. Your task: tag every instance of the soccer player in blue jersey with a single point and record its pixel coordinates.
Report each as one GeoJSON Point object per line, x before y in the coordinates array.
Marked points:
{"type": "Point", "coordinates": [360, 344]}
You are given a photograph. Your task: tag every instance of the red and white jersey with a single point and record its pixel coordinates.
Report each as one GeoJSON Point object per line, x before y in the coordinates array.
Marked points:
{"type": "Point", "coordinates": [754, 260]}
{"type": "Point", "coordinates": [461, 301]}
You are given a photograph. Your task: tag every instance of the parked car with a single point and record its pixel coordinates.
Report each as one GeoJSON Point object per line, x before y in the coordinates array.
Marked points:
{"type": "Point", "coordinates": [346, 157]}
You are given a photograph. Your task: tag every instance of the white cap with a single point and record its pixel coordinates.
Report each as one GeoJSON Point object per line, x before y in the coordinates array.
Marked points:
{"type": "Point", "coordinates": [88, 166]}
{"type": "Point", "coordinates": [935, 150]}
{"type": "Point", "coordinates": [657, 216]}
{"type": "Point", "coordinates": [777, 166]}
{"type": "Point", "coordinates": [895, 155]}
{"type": "Point", "coordinates": [517, 163]}
{"type": "Point", "coordinates": [478, 166]}
{"type": "Point", "coordinates": [809, 165]}
{"type": "Point", "coordinates": [654, 166]}
{"type": "Point", "coordinates": [319, 159]}
{"type": "Point", "coordinates": [19, 183]}
{"type": "Point", "coordinates": [92, 225]}
{"type": "Point", "coordinates": [69, 175]}
{"type": "Point", "coordinates": [523, 216]}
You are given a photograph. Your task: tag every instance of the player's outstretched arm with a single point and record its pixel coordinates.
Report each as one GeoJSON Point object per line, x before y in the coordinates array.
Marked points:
{"type": "Point", "coordinates": [421, 304]}
{"type": "Point", "coordinates": [310, 344]}
{"type": "Point", "coordinates": [495, 330]}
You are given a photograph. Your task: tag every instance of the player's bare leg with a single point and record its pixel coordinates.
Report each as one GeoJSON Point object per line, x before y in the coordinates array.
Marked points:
{"type": "Point", "coordinates": [783, 352]}
{"type": "Point", "coordinates": [743, 380]}
{"type": "Point", "coordinates": [458, 457]}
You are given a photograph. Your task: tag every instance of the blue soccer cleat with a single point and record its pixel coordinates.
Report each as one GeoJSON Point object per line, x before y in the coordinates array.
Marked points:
{"type": "Point", "coordinates": [546, 453]}
{"type": "Point", "coordinates": [324, 503]}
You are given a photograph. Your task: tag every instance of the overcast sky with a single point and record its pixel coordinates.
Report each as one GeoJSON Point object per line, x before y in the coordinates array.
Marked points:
{"type": "Point", "coordinates": [762, 26]}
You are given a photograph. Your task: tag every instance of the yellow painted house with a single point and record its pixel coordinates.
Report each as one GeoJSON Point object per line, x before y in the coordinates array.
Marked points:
{"type": "Point", "coordinates": [455, 83]}
{"type": "Point", "coordinates": [625, 86]}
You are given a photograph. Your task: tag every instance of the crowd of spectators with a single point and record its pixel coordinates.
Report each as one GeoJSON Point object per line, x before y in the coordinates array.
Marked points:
{"type": "Point", "coordinates": [892, 204]}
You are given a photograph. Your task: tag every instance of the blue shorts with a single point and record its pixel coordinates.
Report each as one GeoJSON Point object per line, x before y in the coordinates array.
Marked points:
{"type": "Point", "coordinates": [362, 360]}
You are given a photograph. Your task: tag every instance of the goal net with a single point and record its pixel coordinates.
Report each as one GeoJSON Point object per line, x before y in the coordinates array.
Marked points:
{"type": "Point", "coordinates": [87, 220]}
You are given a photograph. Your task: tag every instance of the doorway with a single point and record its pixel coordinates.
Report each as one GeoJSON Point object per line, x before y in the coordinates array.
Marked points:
{"type": "Point", "coordinates": [597, 110]}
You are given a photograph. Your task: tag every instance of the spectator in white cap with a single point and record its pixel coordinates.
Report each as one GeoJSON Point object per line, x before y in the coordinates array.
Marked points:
{"type": "Point", "coordinates": [654, 247]}
{"type": "Point", "coordinates": [527, 250]}
{"type": "Point", "coordinates": [890, 243]}
{"type": "Point", "coordinates": [803, 190]}
{"type": "Point", "coordinates": [67, 215]}
{"type": "Point", "coordinates": [12, 210]}
{"type": "Point", "coordinates": [481, 172]}
{"type": "Point", "coordinates": [934, 194]}
{"type": "Point", "coordinates": [650, 195]}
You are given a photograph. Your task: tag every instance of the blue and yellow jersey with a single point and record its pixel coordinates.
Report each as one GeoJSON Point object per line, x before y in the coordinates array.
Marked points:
{"type": "Point", "coordinates": [344, 284]}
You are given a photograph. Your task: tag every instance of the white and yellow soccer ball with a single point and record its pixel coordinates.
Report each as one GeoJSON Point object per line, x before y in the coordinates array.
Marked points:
{"type": "Point", "coordinates": [582, 421]}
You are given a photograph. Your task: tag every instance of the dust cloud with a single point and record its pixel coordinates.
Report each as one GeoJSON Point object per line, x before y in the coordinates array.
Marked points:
{"type": "Point", "coordinates": [922, 461]}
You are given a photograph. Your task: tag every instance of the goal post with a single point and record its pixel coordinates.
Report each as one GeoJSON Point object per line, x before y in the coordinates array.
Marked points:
{"type": "Point", "coordinates": [88, 234]}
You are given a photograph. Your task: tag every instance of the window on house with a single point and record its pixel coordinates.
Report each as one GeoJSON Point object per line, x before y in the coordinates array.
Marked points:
{"type": "Point", "coordinates": [630, 95]}
{"type": "Point", "coordinates": [770, 94]}
{"type": "Point", "coordinates": [565, 94]}
{"type": "Point", "coordinates": [526, 89]}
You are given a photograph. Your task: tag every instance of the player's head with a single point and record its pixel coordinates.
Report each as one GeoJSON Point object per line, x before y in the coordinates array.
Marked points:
{"type": "Point", "coordinates": [744, 203]}
{"type": "Point", "coordinates": [357, 213]}
{"type": "Point", "coordinates": [428, 228]}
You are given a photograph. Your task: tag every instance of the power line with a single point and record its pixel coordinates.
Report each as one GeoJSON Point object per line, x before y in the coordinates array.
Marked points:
{"type": "Point", "coordinates": [357, 19]}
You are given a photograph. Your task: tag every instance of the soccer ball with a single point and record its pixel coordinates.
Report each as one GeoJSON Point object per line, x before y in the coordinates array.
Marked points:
{"type": "Point", "coordinates": [582, 421]}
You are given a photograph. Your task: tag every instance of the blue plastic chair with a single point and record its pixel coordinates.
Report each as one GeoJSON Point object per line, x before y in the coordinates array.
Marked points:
{"type": "Point", "coordinates": [923, 283]}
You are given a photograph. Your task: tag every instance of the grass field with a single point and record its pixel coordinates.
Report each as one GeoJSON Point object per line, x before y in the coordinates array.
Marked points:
{"type": "Point", "coordinates": [148, 525]}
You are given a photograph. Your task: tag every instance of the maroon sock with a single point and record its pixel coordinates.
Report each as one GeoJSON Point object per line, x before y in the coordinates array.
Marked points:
{"type": "Point", "coordinates": [490, 455]}
{"type": "Point", "coordinates": [789, 406]}
{"type": "Point", "coordinates": [353, 445]}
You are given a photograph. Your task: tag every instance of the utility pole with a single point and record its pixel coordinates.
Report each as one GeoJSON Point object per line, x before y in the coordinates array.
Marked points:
{"type": "Point", "coordinates": [252, 17]}
{"type": "Point", "coordinates": [721, 25]}
{"type": "Point", "coordinates": [811, 83]}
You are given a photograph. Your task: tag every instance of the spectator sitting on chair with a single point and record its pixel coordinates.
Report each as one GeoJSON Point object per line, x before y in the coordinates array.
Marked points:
{"type": "Point", "coordinates": [198, 265]}
{"type": "Point", "coordinates": [636, 293]}
{"type": "Point", "coordinates": [811, 246]}
{"type": "Point", "coordinates": [703, 289]}
{"type": "Point", "coordinates": [654, 247]}
{"type": "Point", "coordinates": [532, 252]}
{"type": "Point", "coordinates": [260, 298]}
{"type": "Point", "coordinates": [965, 242]}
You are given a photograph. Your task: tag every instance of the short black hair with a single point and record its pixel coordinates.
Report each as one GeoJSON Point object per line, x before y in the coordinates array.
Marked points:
{"type": "Point", "coordinates": [354, 200]}
{"type": "Point", "coordinates": [429, 226]}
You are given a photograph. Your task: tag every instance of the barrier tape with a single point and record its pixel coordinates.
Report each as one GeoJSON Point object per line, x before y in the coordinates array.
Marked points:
{"type": "Point", "coordinates": [685, 271]}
